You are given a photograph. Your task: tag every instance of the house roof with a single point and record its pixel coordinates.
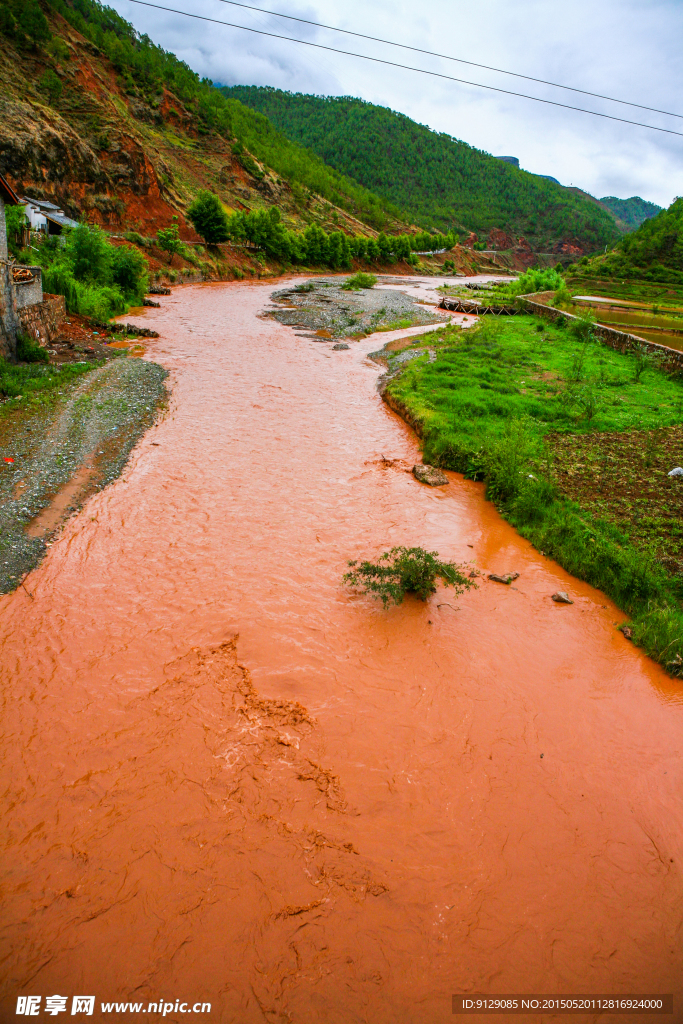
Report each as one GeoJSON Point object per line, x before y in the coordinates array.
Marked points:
{"type": "Point", "coordinates": [42, 204]}
{"type": "Point", "coordinates": [7, 193]}
{"type": "Point", "coordinates": [61, 219]}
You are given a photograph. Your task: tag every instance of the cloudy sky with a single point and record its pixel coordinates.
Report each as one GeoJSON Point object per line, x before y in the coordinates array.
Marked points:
{"type": "Point", "coordinates": [626, 49]}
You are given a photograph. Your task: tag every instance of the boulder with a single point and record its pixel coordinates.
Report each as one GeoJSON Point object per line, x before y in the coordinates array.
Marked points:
{"type": "Point", "coordinates": [507, 577]}
{"type": "Point", "coordinates": [678, 471]}
{"type": "Point", "coordinates": [430, 475]}
{"type": "Point", "coordinates": [340, 345]}
{"type": "Point", "coordinates": [562, 597]}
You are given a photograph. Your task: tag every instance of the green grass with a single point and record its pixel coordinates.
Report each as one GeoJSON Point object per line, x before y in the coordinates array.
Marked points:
{"type": "Point", "coordinates": [490, 405]}
{"type": "Point", "coordinates": [37, 382]}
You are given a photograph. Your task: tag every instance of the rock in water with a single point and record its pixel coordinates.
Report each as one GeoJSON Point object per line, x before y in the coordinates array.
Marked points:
{"type": "Point", "coordinates": [339, 346]}
{"type": "Point", "coordinates": [562, 597]}
{"type": "Point", "coordinates": [507, 577]}
{"type": "Point", "coordinates": [430, 475]}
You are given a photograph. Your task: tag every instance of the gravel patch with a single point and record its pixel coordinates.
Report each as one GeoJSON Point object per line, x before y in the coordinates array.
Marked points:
{"type": "Point", "coordinates": [322, 306]}
{"type": "Point", "coordinates": [71, 451]}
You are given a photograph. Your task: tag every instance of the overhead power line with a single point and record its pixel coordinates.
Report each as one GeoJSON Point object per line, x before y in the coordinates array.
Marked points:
{"type": "Point", "coordinates": [405, 67]}
{"type": "Point", "coordinates": [445, 56]}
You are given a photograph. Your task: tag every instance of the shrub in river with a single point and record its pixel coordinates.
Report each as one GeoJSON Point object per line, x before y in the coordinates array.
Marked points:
{"type": "Point", "coordinates": [358, 281]}
{"type": "Point", "coordinates": [404, 571]}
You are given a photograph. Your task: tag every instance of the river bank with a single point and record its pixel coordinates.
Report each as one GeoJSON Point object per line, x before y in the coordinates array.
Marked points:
{"type": "Point", "coordinates": [59, 451]}
{"type": "Point", "coordinates": [575, 442]}
{"type": "Point", "coordinates": [228, 779]}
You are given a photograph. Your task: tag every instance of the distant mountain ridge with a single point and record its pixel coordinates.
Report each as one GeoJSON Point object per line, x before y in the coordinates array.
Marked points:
{"type": "Point", "coordinates": [438, 181]}
{"type": "Point", "coordinates": [654, 252]}
{"type": "Point", "coordinates": [634, 211]}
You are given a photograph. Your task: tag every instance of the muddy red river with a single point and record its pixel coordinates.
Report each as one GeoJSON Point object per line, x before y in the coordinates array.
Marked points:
{"type": "Point", "coordinates": [228, 779]}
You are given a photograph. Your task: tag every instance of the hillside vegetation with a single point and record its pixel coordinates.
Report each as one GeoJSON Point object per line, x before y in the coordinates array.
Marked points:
{"type": "Point", "coordinates": [114, 127]}
{"type": "Point", "coordinates": [631, 211]}
{"type": "Point", "coordinates": [438, 181]}
{"type": "Point", "coordinates": [652, 253]}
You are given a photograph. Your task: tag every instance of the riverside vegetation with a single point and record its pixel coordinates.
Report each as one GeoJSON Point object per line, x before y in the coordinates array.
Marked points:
{"type": "Point", "coordinates": [574, 442]}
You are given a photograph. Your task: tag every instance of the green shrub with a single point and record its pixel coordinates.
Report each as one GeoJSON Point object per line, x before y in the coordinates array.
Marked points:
{"type": "Point", "coordinates": [28, 351]}
{"type": "Point", "coordinates": [90, 253]}
{"type": "Point", "coordinates": [51, 85]}
{"type": "Point", "coordinates": [404, 571]}
{"type": "Point", "coordinates": [209, 218]}
{"type": "Point", "coordinates": [129, 271]}
{"type": "Point", "coordinates": [168, 239]}
{"type": "Point", "coordinates": [59, 49]}
{"type": "Point", "coordinates": [358, 281]}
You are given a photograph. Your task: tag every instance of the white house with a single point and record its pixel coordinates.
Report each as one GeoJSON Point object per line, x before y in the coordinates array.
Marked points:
{"type": "Point", "coordinates": [46, 216]}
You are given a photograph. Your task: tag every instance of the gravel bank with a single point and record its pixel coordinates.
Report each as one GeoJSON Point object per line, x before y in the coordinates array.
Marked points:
{"type": "Point", "coordinates": [63, 454]}
{"type": "Point", "coordinates": [322, 306]}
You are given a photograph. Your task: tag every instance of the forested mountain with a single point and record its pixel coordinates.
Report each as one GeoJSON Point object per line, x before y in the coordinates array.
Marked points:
{"type": "Point", "coordinates": [633, 211]}
{"type": "Point", "coordinates": [114, 127]}
{"type": "Point", "coordinates": [438, 181]}
{"type": "Point", "coordinates": [653, 252]}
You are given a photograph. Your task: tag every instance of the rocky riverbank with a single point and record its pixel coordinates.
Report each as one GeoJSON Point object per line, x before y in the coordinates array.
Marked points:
{"type": "Point", "coordinates": [56, 454]}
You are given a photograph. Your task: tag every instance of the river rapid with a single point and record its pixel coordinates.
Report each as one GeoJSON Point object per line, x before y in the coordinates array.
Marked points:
{"type": "Point", "coordinates": [227, 778]}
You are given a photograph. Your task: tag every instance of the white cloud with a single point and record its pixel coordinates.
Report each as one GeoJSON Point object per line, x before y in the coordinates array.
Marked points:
{"type": "Point", "coordinates": [622, 48]}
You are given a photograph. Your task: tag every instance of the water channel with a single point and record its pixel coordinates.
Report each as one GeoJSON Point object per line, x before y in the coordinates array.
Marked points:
{"type": "Point", "coordinates": [226, 778]}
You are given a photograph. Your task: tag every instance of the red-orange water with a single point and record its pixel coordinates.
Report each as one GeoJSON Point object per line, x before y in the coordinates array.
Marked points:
{"type": "Point", "coordinates": [228, 779]}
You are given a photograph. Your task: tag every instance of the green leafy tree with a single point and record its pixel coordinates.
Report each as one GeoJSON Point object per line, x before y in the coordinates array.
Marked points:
{"type": "Point", "coordinates": [168, 239]}
{"type": "Point", "coordinates": [129, 271]}
{"type": "Point", "coordinates": [90, 253]}
{"type": "Point", "coordinates": [209, 218]}
{"type": "Point", "coordinates": [51, 85]}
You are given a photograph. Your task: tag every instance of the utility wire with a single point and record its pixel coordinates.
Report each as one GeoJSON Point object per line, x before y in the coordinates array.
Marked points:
{"type": "Point", "coordinates": [405, 67]}
{"type": "Point", "coordinates": [444, 56]}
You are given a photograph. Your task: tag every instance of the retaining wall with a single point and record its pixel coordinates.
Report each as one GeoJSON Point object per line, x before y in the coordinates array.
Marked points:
{"type": "Point", "coordinates": [43, 321]}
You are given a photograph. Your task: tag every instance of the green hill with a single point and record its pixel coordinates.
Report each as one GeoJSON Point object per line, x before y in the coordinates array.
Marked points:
{"type": "Point", "coordinates": [79, 86]}
{"type": "Point", "coordinates": [438, 181]}
{"type": "Point", "coordinates": [633, 211]}
{"type": "Point", "coordinates": [654, 252]}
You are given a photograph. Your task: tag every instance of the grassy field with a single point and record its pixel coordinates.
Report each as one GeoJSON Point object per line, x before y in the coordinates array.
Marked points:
{"type": "Point", "coordinates": [575, 442]}
{"type": "Point", "coordinates": [35, 383]}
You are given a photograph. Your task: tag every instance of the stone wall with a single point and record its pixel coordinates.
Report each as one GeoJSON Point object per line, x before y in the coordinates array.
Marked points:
{"type": "Point", "coordinates": [28, 293]}
{"type": "Point", "coordinates": [9, 321]}
{"type": "Point", "coordinates": [3, 231]}
{"type": "Point", "coordinates": [43, 321]}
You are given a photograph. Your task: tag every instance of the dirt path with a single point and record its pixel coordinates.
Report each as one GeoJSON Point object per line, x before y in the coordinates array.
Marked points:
{"type": "Point", "coordinates": [228, 779]}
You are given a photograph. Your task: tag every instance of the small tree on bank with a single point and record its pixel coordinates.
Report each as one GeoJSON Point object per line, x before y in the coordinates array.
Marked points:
{"type": "Point", "coordinates": [209, 218]}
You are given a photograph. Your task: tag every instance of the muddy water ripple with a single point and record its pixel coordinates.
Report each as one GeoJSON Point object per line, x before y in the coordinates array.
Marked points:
{"type": "Point", "coordinates": [228, 779]}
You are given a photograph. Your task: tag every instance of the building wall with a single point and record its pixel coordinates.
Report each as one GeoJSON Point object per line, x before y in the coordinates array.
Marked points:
{"type": "Point", "coordinates": [9, 321]}
{"type": "Point", "coordinates": [3, 232]}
